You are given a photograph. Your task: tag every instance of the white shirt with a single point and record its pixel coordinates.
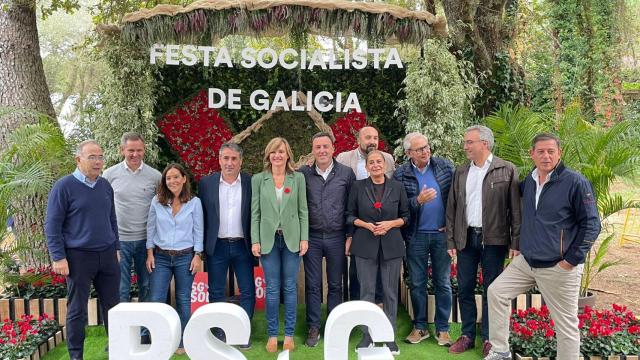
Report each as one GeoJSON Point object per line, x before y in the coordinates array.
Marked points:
{"type": "Point", "coordinates": [230, 196]}
{"type": "Point", "coordinates": [133, 171]}
{"type": "Point", "coordinates": [325, 174]}
{"type": "Point", "coordinates": [539, 187]}
{"type": "Point", "coordinates": [474, 192]}
{"type": "Point", "coordinates": [361, 172]}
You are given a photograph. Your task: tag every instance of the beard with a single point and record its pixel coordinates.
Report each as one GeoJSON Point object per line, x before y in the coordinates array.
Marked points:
{"type": "Point", "coordinates": [369, 148]}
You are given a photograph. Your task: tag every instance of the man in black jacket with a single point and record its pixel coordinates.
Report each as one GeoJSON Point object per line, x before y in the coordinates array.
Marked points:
{"type": "Point", "coordinates": [328, 183]}
{"type": "Point", "coordinates": [560, 223]}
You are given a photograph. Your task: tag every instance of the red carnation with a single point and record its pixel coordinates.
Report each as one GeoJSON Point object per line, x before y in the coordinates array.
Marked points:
{"type": "Point", "coordinates": [377, 205]}
{"type": "Point", "coordinates": [287, 190]}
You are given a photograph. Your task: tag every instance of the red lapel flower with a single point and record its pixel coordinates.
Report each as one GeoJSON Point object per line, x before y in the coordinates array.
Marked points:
{"type": "Point", "coordinates": [287, 190]}
{"type": "Point", "coordinates": [377, 205]}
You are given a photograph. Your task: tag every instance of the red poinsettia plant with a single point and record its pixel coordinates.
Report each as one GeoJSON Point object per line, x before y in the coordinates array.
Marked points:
{"type": "Point", "coordinates": [20, 338]}
{"type": "Point", "coordinates": [196, 133]}
{"type": "Point", "coordinates": [532, 332]}
{"type": "Point", "coordinates": [606, 332]}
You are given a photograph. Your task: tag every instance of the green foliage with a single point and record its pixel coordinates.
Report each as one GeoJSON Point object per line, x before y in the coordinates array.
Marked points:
{"type": "Point", "coordinates": [296, 127]}
{"type": "Point", "coordinates": [36, 155]}
{"type": "Point", "coordinates": [439, 93]}
{"type": "Point", "coordinates": [631, 85]}
{"type": "Point", "coordinates": [126, 99]}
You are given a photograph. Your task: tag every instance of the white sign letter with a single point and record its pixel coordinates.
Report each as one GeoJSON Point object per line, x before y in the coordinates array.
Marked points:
{"type": "Point", "coordinates": [219, 104]}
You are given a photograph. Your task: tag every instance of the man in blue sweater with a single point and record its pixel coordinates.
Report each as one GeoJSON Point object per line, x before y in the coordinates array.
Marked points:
{"type": "Point", "coordinates": [560, 223]}
{"type": "Point", "coordinates": [427, 180]}
{"type": "Point", "coordinates": [82, 236]}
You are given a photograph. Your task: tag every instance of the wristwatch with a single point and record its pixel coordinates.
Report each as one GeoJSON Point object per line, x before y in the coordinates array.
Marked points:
{"type": "Point", "coordinates": [198, 253]}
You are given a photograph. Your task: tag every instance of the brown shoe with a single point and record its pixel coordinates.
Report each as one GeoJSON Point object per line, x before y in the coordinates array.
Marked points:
{"type": "Point", "coordinates": [486, 348]}
{"type": "Point", "coordinates": [180, 351]}
{"type": "Point", "coordinates": [461, 345]}
{"type": "Point", "coordinates": [416, 336]}
{"type": "Point", "coordinates": [443, 338]}
{"type": "Point", "coordinates": [288, 343]}
{"type": "Point", "coordinates": [272, 345]}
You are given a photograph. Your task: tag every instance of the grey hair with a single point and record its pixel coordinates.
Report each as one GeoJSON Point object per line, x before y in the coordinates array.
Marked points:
{"type": "Point", "coordinates": [232, 146]}
{"type": "Point", "coordinates": [130, 136]}
{"type": "Point", "coordinates": [81, 146]}
{"type": "Point", "coordinates": [406, 143]}
{"type": "Point", "coordinates": [485, 134]}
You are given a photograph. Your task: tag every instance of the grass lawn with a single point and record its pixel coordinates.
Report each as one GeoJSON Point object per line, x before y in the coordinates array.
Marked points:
{"type": "Point", "coordinates": [97, 339]}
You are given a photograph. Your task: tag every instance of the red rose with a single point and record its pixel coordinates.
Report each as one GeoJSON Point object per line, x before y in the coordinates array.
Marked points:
{"type": "Point", "coordinates": [287, 190]}
{"type": "Point", "coordinates": [377, 205]}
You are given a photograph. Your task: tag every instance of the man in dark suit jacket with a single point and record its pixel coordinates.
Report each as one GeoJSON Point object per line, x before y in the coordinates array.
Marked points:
{"type": "Point", "coordinates": [226, 202]}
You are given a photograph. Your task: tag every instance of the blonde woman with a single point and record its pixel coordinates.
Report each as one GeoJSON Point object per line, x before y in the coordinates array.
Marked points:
{"type": "Point", "coordinates": [279, 235]}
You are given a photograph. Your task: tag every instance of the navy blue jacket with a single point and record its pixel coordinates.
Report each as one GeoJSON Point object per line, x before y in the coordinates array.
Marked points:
{"type": "Point", "coordinates": [327, 200]}
{"type": "Point", "coordinates": [209, 195]}
{"type": "Point", "coordinates": [443, 172]}
{"type": "Point", "coordinates": [566, 223]}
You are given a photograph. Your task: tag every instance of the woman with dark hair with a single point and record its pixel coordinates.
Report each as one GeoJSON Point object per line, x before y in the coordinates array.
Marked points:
{"type": "Point", "coordinates": [378, 208]}
{"type": "Point", "coordinates": [279, 233]}
{"type": "Point", "coordinates": [174, 241]}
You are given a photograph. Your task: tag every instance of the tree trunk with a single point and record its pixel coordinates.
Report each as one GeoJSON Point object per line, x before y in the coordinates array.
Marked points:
{"type": "Point", "coordinates": [23, 86]}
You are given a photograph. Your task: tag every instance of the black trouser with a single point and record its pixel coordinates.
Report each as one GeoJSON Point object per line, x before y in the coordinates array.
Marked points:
{"type": "Point", "coordinates": [101, 268]}
{"type": "Point", "coordinates": [330, 246]}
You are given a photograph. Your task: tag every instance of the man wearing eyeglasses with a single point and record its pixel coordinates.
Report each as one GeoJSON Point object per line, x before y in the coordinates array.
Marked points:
{"type": "Point", "coordinates": [427, 180]}
{"type": "Point", "coordinates": [483, 223]}
{"type": "Point", "coordinates": [82, 237]}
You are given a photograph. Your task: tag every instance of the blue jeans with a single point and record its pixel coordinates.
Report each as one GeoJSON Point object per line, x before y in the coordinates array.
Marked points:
{"type": "Point", "coordinates": [236, 254]}
{"type": "Point", "coordinates": [281, 272]}
{"type": "Point", "coordinates": [133, 253]}
{"type": "Point", "coordinates": [418, 250]}
{"type": "Point", "coordinates": [492, 259]}
{"type": "Point", "coordinates": [166, 267]}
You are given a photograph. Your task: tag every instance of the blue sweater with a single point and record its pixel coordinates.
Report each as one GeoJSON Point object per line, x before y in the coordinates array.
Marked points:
{"type": "Point", "coordinates": [564, 225]}
{"type": "Point", "coordinates": [80, 217]}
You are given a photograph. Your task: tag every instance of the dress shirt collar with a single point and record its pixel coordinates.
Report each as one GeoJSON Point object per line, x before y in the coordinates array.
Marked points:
{"type": "Point", "coordinates": [418, 169]}
{"type": "Point", "coordinates": [486, 164]}
{"type": "Point", "coordinates": [534, 175]}
{"type": "Point", "coordinates": [84, 179]}
{"type": "Point", "coordinates": [126, 166]}
{"type": "Point", "coordinates": [236, 181]}
{"type": "Point", "coordinates": [326, 172]}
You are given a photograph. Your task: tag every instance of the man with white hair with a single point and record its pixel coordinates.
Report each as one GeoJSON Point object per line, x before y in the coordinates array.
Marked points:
{"type": "Point", "coordinates": [427, 180]}
{"type": "Point", "coordinates": [483, 223]}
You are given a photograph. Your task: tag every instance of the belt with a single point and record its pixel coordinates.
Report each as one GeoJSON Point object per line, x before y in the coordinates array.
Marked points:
{"type": "Point", "coordinates": [231, 239]}
{"type": "Point", "coordinates": [475, 229]}
{"type": "Point", "coordinates": [173, 252]}
{"type": "Point", "coordinates": [279, 232]}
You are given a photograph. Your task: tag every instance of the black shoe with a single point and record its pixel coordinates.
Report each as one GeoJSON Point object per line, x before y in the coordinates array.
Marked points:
{"type": "Point", "coordinates": [393, 347]}
{"type": "Point", "coordinates": [145, 339]}
{"type": "Point", "coordinates": [106, 349]}
{"type": "Point", "coordinates": [219, 334]}
{"type": "Point", "coordinates": [245, 347]}
{"type": "Point", "coordinates": [313, 337]}
{"type": "Point", "coordinates": [366, 342]}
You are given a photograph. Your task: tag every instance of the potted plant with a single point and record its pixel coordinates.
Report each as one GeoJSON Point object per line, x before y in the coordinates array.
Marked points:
{"type": "Point", "coordinates": [532, 334]}
{"type": "Point", "coordinates": [21, 338]}
{"type": "Point", "coordinates": [606, 333]}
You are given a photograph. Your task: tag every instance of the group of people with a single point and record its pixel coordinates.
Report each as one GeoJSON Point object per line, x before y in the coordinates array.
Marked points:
{"type": "Point", "coordinates": [355, 210]}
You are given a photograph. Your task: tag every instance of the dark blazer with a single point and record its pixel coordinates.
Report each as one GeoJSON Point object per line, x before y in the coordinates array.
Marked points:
{"type": "Point", "coordinates": [361, 206]}
{"type": "Point", "coordinates": [209, 195]}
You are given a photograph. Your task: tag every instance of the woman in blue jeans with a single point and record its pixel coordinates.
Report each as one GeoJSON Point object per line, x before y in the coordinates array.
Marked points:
{"type": "Point", "coordinates": [279, 235]}
{"type": "Point", "coordinates": [174, 241]}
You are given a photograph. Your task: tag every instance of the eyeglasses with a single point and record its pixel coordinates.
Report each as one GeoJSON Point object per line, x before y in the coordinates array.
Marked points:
{"type": "Point", "coordinates": [423, 149]}
{"type": "Point", "coordinates": [95, 158]}
{"type": "Point", "coordinates": [471, 142]}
